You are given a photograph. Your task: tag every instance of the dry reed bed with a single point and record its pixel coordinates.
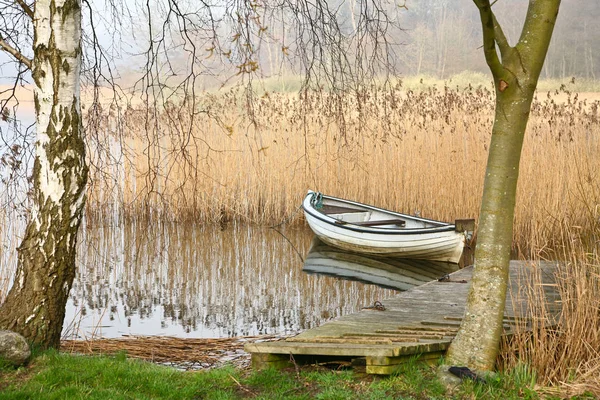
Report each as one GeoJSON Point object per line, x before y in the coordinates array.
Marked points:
{"type": "Point", "coordinates": [188, 353]}
{"type": "Point", "coordinates": [565, 356]}
{"type": "Point", "coordinates": [411, 151]}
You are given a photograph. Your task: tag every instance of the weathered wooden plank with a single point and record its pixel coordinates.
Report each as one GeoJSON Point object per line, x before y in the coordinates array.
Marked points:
{"type": "Point", "coordinates": [389, 365]}
{"type": "Point", "coordinates": [345, 349]}
{"type": "Point", "coordinates": [394, 337]}
{"type": "Point", "coordinates": [345, 340]}
{"type": "Point", "coordinates": [326, 349]}
{"type": "Point", "coordinates": [403, 359]}
{"type": "Point", "coordinates": [422, 321]}
{"type": "Point", "coordinates": [260, 361]}
{"type": "Point", "coordinates": [418, 328]}
{"type": "Point", "coordinates": [441, 323]}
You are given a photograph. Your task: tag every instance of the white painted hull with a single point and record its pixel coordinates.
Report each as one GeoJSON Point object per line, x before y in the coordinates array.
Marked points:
{"type": "Point", "coordinates": [419, 239]}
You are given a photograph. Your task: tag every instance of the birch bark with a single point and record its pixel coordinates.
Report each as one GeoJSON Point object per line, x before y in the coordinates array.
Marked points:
{"type": "Point", "coordinates": [35, 305]}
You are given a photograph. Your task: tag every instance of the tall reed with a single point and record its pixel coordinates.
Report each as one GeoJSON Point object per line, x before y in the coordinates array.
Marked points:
{"type": "Point", "coordinates": [406, 150]}
{"type": "Point", "coordinates": [564, 351]}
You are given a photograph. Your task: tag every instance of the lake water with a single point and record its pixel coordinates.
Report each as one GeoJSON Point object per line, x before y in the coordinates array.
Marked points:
{"type": "Point", "coordinates": [187, 280]}
{"type": "Point", "coordinates": [193, 281]}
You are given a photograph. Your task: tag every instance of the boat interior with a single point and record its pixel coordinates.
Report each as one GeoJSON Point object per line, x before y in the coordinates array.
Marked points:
{"type": "Point", "coordinates": [361, 217]}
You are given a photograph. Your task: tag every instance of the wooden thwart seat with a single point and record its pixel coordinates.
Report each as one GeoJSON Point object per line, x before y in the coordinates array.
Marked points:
{"type": "Point", "coordinates": [329, 209]}
{"type": "Point", "coordinates": [395, 221]}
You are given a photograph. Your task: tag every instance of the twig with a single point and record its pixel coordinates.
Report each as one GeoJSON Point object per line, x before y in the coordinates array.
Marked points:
{"type": "Point", "coordinates": [293, 360]}
{"type": "Point", "coordinates": [15, 53]}
{"type": "Point", "coordinates": [241, 386]}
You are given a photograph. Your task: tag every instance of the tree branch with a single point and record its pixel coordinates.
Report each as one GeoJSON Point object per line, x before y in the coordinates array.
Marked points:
{"type": "Point", "coordinates": [489, 36]}
{"type": "Point", "coordinates": [499, 36]}
{"type": "Point", "coordinates": [15, 53]}
{"type": "Point", "coordinates": [537, 32]}
{"type": "Point", "coordinates": [25, 8]}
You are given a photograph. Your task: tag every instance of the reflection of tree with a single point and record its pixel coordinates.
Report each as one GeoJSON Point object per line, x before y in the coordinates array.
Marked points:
{"type": "Point", "coordinates": [247, 282]}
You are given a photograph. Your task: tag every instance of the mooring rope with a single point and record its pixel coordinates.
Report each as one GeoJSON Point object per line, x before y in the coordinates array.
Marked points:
{"type": "Point", "coordinates": [288, 218]}
{"type": "Point", "coordinates": [274, 227]}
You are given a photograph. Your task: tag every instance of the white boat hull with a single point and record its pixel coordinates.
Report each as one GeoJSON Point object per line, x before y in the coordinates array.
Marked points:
{"type": "Point", "coordinates": [440, 242]}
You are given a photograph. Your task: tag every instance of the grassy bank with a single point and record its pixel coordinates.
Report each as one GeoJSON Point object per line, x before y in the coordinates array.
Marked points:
{"type": "Point", "coordinates": [54, 376]}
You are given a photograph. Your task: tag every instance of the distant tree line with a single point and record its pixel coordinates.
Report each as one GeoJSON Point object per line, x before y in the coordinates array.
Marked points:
{"type": "Point", "coordinates": [443, 37]}
{"type": "Point", "coordinates": [440, 38]}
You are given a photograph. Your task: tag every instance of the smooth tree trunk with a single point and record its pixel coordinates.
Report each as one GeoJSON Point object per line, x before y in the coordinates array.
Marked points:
{"type": "Point", "coordinates": [35, 305]}
{"type": "Point", "coordinates": [516, 71]}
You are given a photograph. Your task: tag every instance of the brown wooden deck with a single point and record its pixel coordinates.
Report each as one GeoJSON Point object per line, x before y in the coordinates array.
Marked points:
{"type": "Point", "coordinates": [420, 322]}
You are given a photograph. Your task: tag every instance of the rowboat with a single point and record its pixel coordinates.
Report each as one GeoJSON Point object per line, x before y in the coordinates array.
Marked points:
{"type": "Point", "coordinates": [387, 272]}
{"type": "Point", "coordinates": [366, 229]}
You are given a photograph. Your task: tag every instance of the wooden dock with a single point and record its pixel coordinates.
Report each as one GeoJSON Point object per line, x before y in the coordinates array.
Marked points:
{"type": "Point", "coordinates": [419, 323]}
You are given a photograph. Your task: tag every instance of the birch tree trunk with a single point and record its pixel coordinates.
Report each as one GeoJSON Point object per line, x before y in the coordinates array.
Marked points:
{"type": "Point", "coordinates": [516, 71]}
{"type": "Point", "coordinates": [35, 305]}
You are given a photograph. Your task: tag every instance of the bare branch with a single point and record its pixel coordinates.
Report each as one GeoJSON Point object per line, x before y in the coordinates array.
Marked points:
{"type": "Point", "coordinates": [25, 8]}
{"type": "Point", "coordinates": [15, 53]}
{"type": "Point", "coordinates": [489, 36]}
{"type": "Point", "coordinates": [500, 38]}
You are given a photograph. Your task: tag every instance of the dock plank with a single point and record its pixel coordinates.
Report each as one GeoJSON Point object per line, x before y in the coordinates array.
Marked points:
{"type": "Point", "coordinates": [419, 322]}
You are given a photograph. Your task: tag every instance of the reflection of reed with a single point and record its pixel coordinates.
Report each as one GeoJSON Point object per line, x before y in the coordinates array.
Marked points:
{"type": "Point", "coordinates": [187, 280]}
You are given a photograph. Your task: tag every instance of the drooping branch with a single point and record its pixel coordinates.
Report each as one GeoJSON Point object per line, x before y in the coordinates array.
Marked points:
{"type": "Point", "coordinates": [25, 8]}
{"type": "Point", "coordinates": [191, 45]}
{"type": "Point", "coordinates": [15, 53]}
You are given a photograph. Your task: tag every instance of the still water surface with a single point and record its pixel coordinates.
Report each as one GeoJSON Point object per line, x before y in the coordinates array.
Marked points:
{"type": "Point", "coordinates": [187, 280]}
{"type": "Point", "coordinates": [194, 281]}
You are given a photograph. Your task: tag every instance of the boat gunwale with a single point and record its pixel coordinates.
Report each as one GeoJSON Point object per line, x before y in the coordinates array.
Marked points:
{"type": "Point", "coordinates": [446, 227]}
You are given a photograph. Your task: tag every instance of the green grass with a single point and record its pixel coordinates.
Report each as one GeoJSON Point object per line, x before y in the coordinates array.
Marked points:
{"type": "Point", "coordinates": [53, 375]}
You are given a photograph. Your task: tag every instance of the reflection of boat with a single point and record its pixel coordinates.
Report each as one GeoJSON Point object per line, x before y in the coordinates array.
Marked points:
{"type": "Point", "coordinates": [366, 229]}
{"type": "Point", "coordinates": [395, 273]}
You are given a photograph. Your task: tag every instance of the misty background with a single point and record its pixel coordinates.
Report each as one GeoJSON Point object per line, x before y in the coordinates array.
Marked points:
{"type": "Point", "coordinates": [439, 38]}
{"type": "Point", "coordinates": [443, 37]}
